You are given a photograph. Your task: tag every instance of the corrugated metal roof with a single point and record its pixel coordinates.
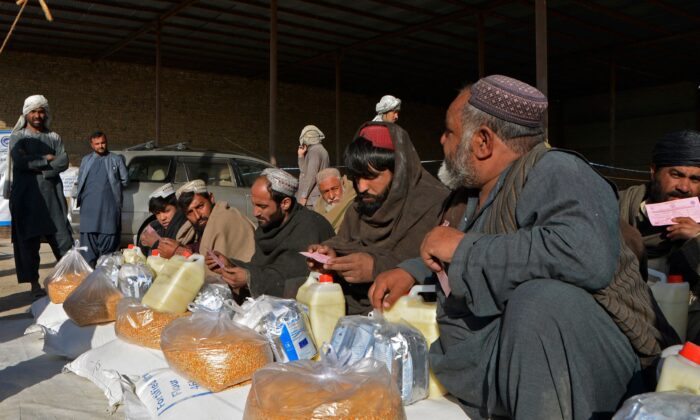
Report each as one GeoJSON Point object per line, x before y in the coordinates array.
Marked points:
{"type": "Point", "coordinates": [422, 48]}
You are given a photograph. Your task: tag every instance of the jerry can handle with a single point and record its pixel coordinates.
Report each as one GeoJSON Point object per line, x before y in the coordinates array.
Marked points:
{"type": "Point", "coordinates": [422, 288]}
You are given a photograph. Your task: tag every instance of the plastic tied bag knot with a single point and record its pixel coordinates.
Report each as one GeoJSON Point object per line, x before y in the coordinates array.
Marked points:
{"type": "Point", "coordinates": [67, 275]}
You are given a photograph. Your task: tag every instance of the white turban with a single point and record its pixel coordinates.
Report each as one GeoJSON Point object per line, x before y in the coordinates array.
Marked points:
{"type": "Point", "coordinates": [166, 190]}
{"type": "Point", "coordinates": [196, 186]}
{"type": "Point", "coordinates": [282, 182]}
{"type": "Point", "coordinates": [388, 103]}
{"type": "Point", "coordinates": [30, 104]}
{"type": "Point", "coordinates": [311, 135]}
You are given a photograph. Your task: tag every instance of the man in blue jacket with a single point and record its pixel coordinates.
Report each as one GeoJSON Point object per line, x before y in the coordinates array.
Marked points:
{"type": "Point", "coordinates": [101, 178]}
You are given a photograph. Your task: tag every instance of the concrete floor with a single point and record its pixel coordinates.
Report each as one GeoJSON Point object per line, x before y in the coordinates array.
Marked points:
{"type": "Point", "coordinates": [14, 297]}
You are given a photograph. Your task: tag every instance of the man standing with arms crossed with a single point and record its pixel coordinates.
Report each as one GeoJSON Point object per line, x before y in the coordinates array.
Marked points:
{"type": "Point", "coordinates": [37, 203]}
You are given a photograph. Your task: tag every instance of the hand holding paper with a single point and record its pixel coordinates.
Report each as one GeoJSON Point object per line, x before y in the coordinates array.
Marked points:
{"type": "Point", "coordinates": [149, 236]}
{"type": "Point", "coordinates": [322, 258]}
{"type": "Point", "coordinates": [662, 214]}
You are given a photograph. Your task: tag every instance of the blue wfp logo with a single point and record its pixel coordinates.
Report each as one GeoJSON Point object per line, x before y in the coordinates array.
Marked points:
{"type": "Point", "coordinates": [4, 142]}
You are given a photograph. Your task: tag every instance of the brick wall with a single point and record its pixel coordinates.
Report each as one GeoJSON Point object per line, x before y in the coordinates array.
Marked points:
{"type": "Point", "coordinates": [209, 110]}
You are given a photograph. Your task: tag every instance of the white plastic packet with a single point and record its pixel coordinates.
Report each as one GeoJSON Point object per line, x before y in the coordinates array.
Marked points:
{"type": "Point", "coordinates": [660, 406]}
{"type": "Point", "coordinates": [284, 322]}
{"type": "Point", "coordinates": [112, 263]}
{"type": "Point", "coordinates": [211, 297]}
{"type": "Point", "coordinates": [134, 280]}
{"type": "Point", "coordinates": [399, 346]}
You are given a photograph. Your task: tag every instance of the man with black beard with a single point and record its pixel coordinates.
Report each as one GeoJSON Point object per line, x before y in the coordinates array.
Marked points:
{"type": "Point", "coordinates": [674, 249]}
{"type": "Point", "coordinates": [37, 205]}
{"type": "Point", "coordinates": [218, 226]}
{"type": "Point", "coordinates": [284, 229]}
{"type": "Point", "coordinates": [397, 202]}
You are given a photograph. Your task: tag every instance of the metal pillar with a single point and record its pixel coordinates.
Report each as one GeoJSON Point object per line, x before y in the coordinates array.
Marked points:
{"type": "Point", "coordinates": [337, 109]}
{"type": "Point", "coordinates": [273, 81]}
{"type": "Point", "coordinates": [158, 68]}
{"type": "Point", "coordinates": [613, 106]}
{"type": "Point", "coordinates": [480, 44]}
{"type": "Point", "coordinates": [541, 48]}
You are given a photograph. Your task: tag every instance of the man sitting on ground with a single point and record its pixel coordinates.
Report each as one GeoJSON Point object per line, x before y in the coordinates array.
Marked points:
{"type": "Point", "coordinates": [674, 249]}
{"type": "Point", "coordinates": [337, 194]}
{"type": "Point", "coordinates": [284, 229]}
{"type": "Point", "coordinates": [217, 225]}
{"type": "Point", "coordinates": [397, 203]}
{"type": "Point", "coordinates": [529, 257]}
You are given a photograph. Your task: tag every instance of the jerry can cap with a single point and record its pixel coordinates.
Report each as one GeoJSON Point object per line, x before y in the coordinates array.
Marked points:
{"type": "Point", "coordinates": [675, 278]}
{"type": "Point", "coordinates": [691, 352]}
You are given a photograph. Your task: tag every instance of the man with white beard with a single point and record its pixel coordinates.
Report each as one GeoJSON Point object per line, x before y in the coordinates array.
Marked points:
{"type": "Point", "coordinates": [525, 256]}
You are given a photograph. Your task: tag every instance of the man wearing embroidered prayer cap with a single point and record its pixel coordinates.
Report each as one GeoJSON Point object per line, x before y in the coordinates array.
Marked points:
{"type": "Point", "coordinates": [529, 265]}
{"type": "Point", "coordinates": [170, 222]}
{"type": "Point", "coordinates": [101, 177]}
{"type": "Point", "coordinates": [217, 225]}
{"type": "Point", "coordinates": [674, 249]}
{"type": "Point", "coordinates": [397, 203]}
{"type": "Point", "coordinates": [387, 109]}
{"type": "Point", "coordinates": [312, 157]}
{"type": "Point", "coordinates": [284, 229]}
{"type": "Point", "coordinates": [37, 203]}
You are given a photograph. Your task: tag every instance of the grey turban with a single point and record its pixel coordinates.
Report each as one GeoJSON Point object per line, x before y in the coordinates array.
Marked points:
{"type": "Point", "coordinates": [30, 104]}
{"type": "Point", "coordinates": [388, 103]}
{"type": "Point", "coordinates": [311, 135]}
{"type": "Point", "coordinates": [680, 148]}
{"type": "Point", "coordinates": [281, 181]}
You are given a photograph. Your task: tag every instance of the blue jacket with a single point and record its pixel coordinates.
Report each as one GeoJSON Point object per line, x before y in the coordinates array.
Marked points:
{"type": "Point", "coordinates": [116, 174]}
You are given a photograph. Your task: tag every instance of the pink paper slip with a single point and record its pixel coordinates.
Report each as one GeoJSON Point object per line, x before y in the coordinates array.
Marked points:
{"type": "Point", "coordinates": [660, 214]}
{"type": "Point", "coordinates": [216, 259]}
{"type": "Point", "coordinates": [442, 275]}
{"type": "Point", "coordinates": [444, 283]}
{"type": "Point", "coordinates": [322, 258]}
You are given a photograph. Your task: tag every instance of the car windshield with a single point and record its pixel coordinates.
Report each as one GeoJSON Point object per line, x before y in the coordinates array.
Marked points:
{"type": "Point", "coordinates": [150, 169]}
{"type": "Point", "coordinates": [213, 171]}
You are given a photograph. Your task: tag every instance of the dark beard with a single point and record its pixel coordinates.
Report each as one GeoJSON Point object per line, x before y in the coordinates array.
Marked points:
{"type": "Point", "coordinates": [199, 230]}
{"type": "Point", "coordinates": [658, 196]}
{"type": "Point", "coordinates": [369, 208]}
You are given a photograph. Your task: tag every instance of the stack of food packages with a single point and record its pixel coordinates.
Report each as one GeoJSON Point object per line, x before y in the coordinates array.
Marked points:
{"type": "Point", "coordinates": [369, 370]}
{"type": "Point", "coordinates": [67, 275]}
{"type": "Point", "coordinates": [152, 305]}
{"type": "Point", "coordinates": [95, 300]}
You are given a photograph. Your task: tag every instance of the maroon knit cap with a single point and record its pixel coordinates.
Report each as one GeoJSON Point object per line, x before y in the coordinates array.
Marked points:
{"type": "Point", "coordinates": [378, 135]}
{"type": "Point", "coordinates": [509, 99]}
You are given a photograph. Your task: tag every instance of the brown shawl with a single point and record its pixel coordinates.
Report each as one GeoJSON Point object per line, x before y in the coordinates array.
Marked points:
{"type": "Point", "coordinates": [228, 232]}
{"type": "Point", "coordinates": [394, 233]}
